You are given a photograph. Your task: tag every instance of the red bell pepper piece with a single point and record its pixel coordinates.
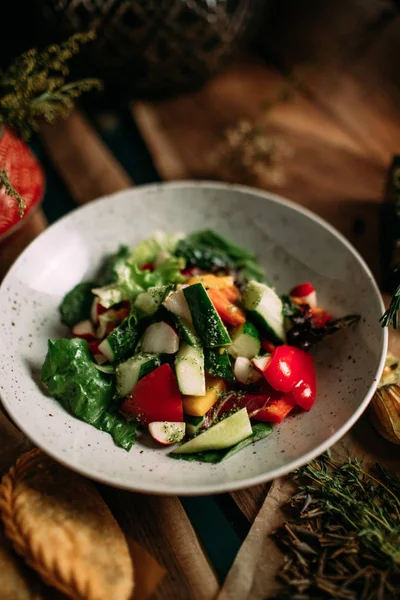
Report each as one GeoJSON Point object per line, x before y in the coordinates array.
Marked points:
{"type": "Point", "coordinates": [231, 292]}
{"type": "Point", "coordinates": [228, 312]}
{"type": "Point", "coordinates": [253, 401]}
{"type": "Point", "coordinates": [155, 397]}
{"type": "Point", "coordinates": [276, 410]}
{"type": "Point", "coordinates": [292, 370]}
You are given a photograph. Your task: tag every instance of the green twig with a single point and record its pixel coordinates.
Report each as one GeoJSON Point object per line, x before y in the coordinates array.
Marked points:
{"type": "Point", "coordinates": [11, 191]}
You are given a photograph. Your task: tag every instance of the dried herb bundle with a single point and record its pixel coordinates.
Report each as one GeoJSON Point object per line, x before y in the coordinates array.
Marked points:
{"type": "Point", "coordinates": [344, 540]}
{"type": "Point", "coordinates": [34, 86]}
{"type": "Point", "coordinates": [248, 150]}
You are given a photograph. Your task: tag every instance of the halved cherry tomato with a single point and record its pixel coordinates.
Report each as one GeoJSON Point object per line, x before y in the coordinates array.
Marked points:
{"type": "Point", "coordinates": [155, 397]}
{"type": "Point", "coordinates": [228, 312]}
{"type": "Point", "coordinates": [292, 370]}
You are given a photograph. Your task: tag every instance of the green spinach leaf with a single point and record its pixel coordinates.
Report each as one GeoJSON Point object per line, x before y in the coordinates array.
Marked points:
{"type": "Point", "coordinates": [210, 251]}
{"type": "Point", "coordinates": [76, 304]}
{"type": "Point", "coordinates": [108, 273]}
{"type": "Point", "coordinates": [73, 379]}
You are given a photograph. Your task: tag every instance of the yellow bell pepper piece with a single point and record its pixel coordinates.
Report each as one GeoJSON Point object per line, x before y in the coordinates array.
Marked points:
{"type": "Point", "coordinates": [198, 406]}
{"type": "Point", "coordinates": [212, 281]}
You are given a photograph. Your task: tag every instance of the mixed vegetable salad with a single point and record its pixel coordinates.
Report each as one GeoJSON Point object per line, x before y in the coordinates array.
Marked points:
{"type": "Point", "coordinates": [184, 337]}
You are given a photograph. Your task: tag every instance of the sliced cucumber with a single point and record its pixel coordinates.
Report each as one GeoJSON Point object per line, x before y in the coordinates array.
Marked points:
{"type": "Point", "coordinates": [189, 368]}
{"type": "Point", "coordinates": [177, 305]}
{"type": "Point", "coordinates": [120, 344]}
{"type": "Point", "coordinates": [245, 341]}
{"type": "Point", "coordinates": [186, 332]}
{"type": "Point", "coordinates": [224, 434]}
{"type": "Point", "coordinates": [217, 363]}
{"type": "Point", "coordinates": [194, 424]}
{"type": "Point", "coordinates": [265, 308]}
{"type": "Point", "coordinates": [150, 300]}
{"type": "Point", "coordinates": [129, 372]}
{"type": "Point", "coordinates": [207, 322]}
{"type": "Point", "coordinates": [160, 338]}
{"type": "Point", "coordinates": [260, 431]}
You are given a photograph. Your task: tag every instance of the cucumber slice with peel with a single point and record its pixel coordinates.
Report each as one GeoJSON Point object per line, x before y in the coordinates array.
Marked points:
{"type": "Point", "coordinates": [120, 344]}
{"type": "Point", "coordinates": [207, 322]}
{"type": "Point", "coordinates": [129, 372]}
{"type": "Point", "coordinates": [150, 300]}
{"type": "Point", "coordinates": [265, 308]}
{"type": "Point", "coordinates": [217, 363]}
{"type": "Point", "coordinates": [189, 368]}
{"type": "Point", "coordinates": [224, 434]}
{"type": "Point", "coordinates": [245, 341]}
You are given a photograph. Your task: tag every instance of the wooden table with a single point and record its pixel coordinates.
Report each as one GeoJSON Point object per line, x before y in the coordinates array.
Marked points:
{"type": "Point", "coordinates": [342, 126]}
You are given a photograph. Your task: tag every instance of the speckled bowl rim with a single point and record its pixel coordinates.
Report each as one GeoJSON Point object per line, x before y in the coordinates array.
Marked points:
{"type": "Point", "coordinates": [162, 489]}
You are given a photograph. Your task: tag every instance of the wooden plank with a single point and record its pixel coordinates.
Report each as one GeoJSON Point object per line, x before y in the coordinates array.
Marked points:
{"type": "Point", "coordinates": [330, 171]}
{"type": "Point", "coordinates": [342, 57]}
{"type": "Point", "coordinates": [86, 165]}
{"type": "Point", "coordinates": [250, 500]}
{"type": "Point", "coordinates": [12, 246]}
{"type": "Point", "coordinates": [161, 526]}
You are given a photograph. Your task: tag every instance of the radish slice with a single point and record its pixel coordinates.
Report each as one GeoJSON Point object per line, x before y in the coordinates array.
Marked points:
{"type": "Point", "coordinates": [261, 362]}
{"type": "Point", "coordinates": [305, 294]}
{"type": "Point", "coordinates": [176, 303]}
{"type": "Point", "coordinates": [167, 432]}
{"type": "Point", "coordinates": [245, 372]}
{"type": "Point", "coordinates": [96, 310]}
{"type": "Point", "coordinates": [100, 359]}
{"type": "Point", "coordinates": [160, 338]}
{"type": "Point", "coordinates": [84, 329]}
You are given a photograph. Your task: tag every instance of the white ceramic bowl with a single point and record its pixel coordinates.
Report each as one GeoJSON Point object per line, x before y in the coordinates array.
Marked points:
{"type": "Point", "coordinates": [294, 246]}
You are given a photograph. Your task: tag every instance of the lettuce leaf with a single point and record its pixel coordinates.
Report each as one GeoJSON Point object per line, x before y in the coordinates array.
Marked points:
{"type": "Point", "coordinates": [132, 281]}
{"type": "Point", "coordinates": [73, 379]}
{"type": "Point", "coordinates": [148, 250]}
{"type": "Point", "coordinates": [260, 431]}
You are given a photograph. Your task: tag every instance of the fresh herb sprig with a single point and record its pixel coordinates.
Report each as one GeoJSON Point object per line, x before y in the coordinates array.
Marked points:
{"type": "Point", "coordinates": [35, 86]}
{"type": "Point", "coordinates": [391, 315]}
{"type": "Point", "coordinates": [344, 541]}
{"type": "Point", "coordinates": [12, 192]}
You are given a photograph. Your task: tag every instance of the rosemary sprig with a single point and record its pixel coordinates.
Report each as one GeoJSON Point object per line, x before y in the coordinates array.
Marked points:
{"type": "Point", "coordinates": [34, 86]}
{"type": "Point", "coordinates": [344, 541]}
{"type": "Point", "coordinates": [11, 191]}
